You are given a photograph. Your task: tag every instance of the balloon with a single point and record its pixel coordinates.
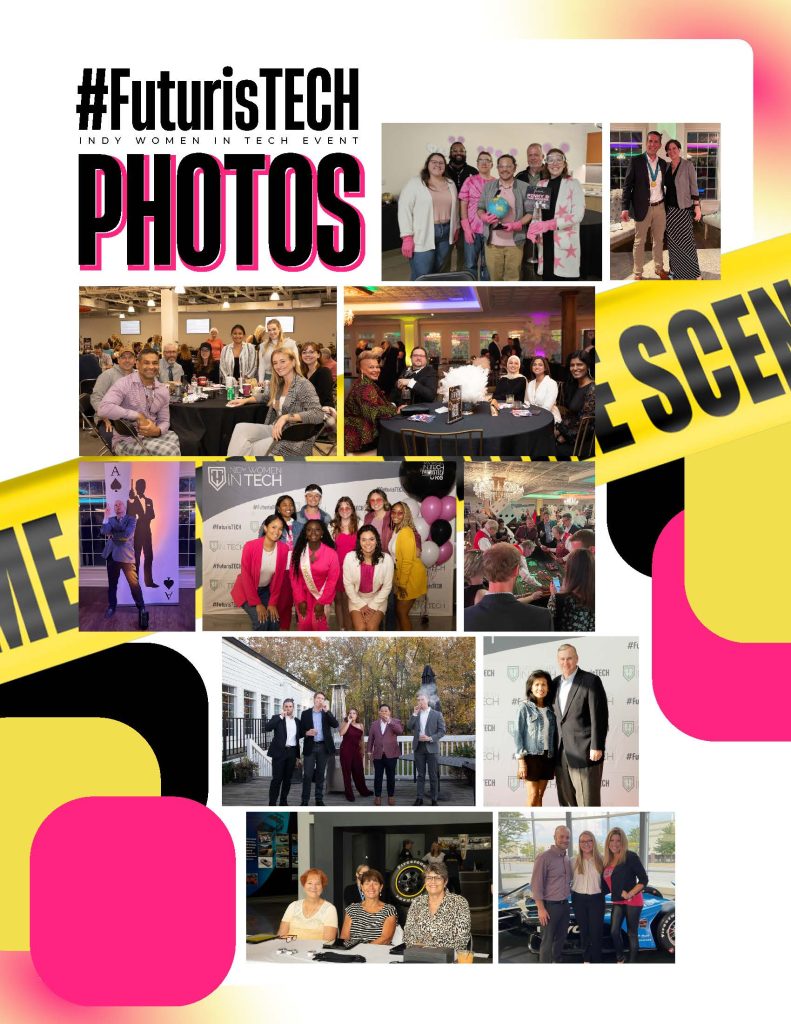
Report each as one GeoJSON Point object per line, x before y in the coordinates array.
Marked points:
{"type": "Point", "coordinates": [430, 509]}
{"type": "Point", "coordinates": [441, 531]}
{"type": "Point", "coordinates": [452, 525]}
{"type": "Point", "coordinates": [422, 527]}
{"type": "Point", "coordinates": [414, 506]}
{"type": "Point", "coordinates": [445, 552]}
{"type": "Point", "coordinates": [448, 507]}
{"type": "Point", "coordinates": [429, 554]}
{"type": "Point", "coordinates": [428, 479]}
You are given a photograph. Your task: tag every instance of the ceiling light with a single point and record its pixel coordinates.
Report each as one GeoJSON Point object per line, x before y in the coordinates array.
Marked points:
{"type": "Point", "coordinates": [122, 316]}
{"type": "Point", "coordinates": [180, 289]}
{"type": "Point", "coordinates": [275, 296]}
{"type": "Point", "coordinates": [226, 304]}
{"type": "Point", "coordinates": [150, 303]}
{"type": "Point", "coordinates": [130, 308]}
{"type": "Point", "coordinates": [348, 316]}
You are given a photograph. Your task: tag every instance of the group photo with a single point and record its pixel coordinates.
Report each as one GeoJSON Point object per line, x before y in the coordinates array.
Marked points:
{"type": "Point", "coordinates": [471, 371]}
{"type": "Point", "coordinates": [340, 720]}
{"type": "Point", "coordinates": [137, 546]}
{"type": "Point", "coordinates": [209, 371]}
{"type": "Point", "coordinates": [329, 546]}
{"type": "Point", "coordinates": [587, 888]}
{"type": "Point", "coordinates": [529, 547]}
{"type": "Point", "coordinates": [562, 721]}
{"type": "Point", "coordinates": [665, 202]}
{"type": "Point", "coordinates": [357, 888]}
{"type": "Point", "coordinates": [491, 202]}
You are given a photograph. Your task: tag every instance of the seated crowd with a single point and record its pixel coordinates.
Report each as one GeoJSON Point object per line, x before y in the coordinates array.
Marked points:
{"type": "Point", "coordinates": [502, 594]}
{"type": "Point", "coordinates": [369, 571]}
{"type": "Point", "coordinates": [386, 387]}
{"type": "Point", "coordinates": [129, 387]}
{"type": "Point", "coordinates": [437, 918]}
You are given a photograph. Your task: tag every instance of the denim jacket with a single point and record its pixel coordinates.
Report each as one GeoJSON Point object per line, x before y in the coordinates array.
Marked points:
{"type": "Point", "coordinates": [529, 735]}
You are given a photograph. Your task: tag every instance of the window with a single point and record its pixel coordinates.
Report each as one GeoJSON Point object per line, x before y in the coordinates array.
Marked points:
{"type": "Point", "coordinates": [459, 346]}
{"type": "Point", "coordinates": [393, 337]}
{"type": "Point", "coordinates": [228, 701]}
{"type": "Point", "coordinates": [432, 343]}
{"type": "Point", "coordinates": [624, 144]}
{"type": "Point", "coordinates": [249, 704]}
{"type": "Point", "coordinates": [703, 150]}
{"type": "Point", "coordinates": [277, 706]}
{"type": "Point", "coordinates": [485, 338]}
{"type": "Point", "coordinates": [265, 708]}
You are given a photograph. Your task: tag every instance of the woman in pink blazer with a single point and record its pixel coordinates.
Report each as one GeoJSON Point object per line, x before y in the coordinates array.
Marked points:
{"type": "Point", "coordinates": [263, 573]}
{"type": "Point", "coordinates": [385, 750]}
{"type": "Point", "coordinates": [315, 573]}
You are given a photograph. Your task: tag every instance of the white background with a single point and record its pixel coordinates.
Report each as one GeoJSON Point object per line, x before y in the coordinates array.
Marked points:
{"type": "Point", "coordinates": [424, 64]}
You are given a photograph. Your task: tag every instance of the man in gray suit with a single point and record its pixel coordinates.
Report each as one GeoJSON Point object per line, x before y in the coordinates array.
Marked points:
{"type": "Point", "coordinates": [119, 554]}
{"type": "Point", "coordinates": [427, 727]}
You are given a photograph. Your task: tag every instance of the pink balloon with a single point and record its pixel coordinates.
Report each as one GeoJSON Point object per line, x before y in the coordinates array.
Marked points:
{"type": "Point", "coordinates": [448, 507]}
{"type": "Point", "coordinates": [431, 509]}
{"type": "Point", "coordinates": [445, 552]}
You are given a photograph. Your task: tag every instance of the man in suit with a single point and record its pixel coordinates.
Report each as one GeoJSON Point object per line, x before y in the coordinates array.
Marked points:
{"type": "Point", "coordinates": [419, 383]}
{"type": "Point", "coordinates": [580, 707]}
{"type": "Point", "coordinates": [499, 611]}
{"type": "Point", "coordinates": [142, 508]}
{"type": "Point", "coordinates": [545, 534]}
{"type": "Point", "coordinates": [384, 750]}
{"type": "Point", "coordinates": [119, 555]}
{"type": "Point", "coordinates": [427, 727]}
{"type": "Point", "coordinates": [284, 751]}
{"type": "Point", "coordinates": [317, 725]}
{"type": "Point", "coordinates": [644, 196]}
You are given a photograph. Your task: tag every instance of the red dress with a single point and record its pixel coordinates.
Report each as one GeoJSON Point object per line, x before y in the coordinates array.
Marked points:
{"type": "Point", "coordinates": [352, 763]}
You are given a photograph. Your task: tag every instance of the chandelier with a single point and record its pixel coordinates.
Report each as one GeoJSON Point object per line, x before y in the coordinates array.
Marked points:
{"type": "Point", "coordinates": [571, 501]}
{"type": "Point", "coordinates": [348, 316]}
{"type": "Point", "coordinates": [496, 488]}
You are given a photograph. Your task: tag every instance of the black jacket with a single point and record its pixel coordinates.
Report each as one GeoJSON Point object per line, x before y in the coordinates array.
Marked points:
{"type": "Point", "coordinates": [502, 613]}
{"type": "Point", "coordinates": [277, 726]}
{"type": "Point", "coordinates": [584, 725]}
{"type": "Point", "coordinates": [328, 722]}
{"type": "Point", "coordinates": [637, 187]}
{"type": "Point", "coordinates": [625, 876]}
{"type": "Point", "coordinates": [425, 389]}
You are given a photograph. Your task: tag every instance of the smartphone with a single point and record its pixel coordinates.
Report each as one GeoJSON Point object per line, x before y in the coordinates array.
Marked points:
{"type": "Point", "coordinates": [556, 582]}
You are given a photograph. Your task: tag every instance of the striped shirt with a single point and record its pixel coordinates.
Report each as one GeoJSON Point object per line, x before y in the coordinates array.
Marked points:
{"type": "Point", "coordinates": [367, 927]}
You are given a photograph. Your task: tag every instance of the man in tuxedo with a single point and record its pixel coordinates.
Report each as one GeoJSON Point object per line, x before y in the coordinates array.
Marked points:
{"type": "Point", "coordinates": [419, 383]}
{"type": "Point", "coordinates": [317, 725]}
{"type": "Point", "coordinates": [580, 707]}
{"type": "Point", "coordinates": [119, 555]}
{"type": "Point", "coordinates": [284, 751]}
{"type": "Point", "coordinates": [143, 509]}
{"type": "Point", "coordinates": [644, 195]}
{"type": "Point", "coordinates": [427, 727]}
{"type": "Point", "coordinates": [499, 611]}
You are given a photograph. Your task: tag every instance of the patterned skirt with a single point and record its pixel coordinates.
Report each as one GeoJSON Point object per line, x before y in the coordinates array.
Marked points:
{"type": "Point", "coordinates": [684, 264]}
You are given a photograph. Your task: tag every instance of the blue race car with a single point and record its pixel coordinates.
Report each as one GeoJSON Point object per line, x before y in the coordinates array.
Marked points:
{"type": "Point", "coordinates": [517, 913]}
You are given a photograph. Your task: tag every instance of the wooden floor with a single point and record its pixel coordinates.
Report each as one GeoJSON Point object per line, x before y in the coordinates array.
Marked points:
{"type": "Point", "coordinates": [178, 618]}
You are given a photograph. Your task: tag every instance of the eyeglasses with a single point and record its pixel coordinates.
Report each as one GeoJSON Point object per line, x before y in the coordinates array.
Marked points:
{"type": "Point", "coordinates": [434, 878]}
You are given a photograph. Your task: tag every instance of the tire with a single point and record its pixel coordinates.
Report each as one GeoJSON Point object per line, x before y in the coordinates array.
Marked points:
{"type": "Point", "coordinates": [408, 880]}
{"type": "Point", "coordinates": [666, 932]}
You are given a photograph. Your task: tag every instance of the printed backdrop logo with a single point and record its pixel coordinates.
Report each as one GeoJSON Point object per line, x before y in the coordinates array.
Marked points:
{"type": "Point", "coordinates": [513, 672]}
{"type": "Point", "coordinates": [628, 783]}
{"type": "Point", "coordinates": [217, 477]}
{"type": "Point", "coordinates": [513, 783]}
{"type": "Point", "coordinates": [629, 672]}
{"type": "Point", "coordinates": [214, 545]}
{"type": "Point", "coordinates": [627, 728]}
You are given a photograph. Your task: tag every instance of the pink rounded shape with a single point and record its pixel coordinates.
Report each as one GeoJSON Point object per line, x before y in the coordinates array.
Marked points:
{"type": "Point", "coordinates": [431, 509]}
{"type": "Point", "coordinates": [132, 901]}
{"type": "Point", "coordinates": [445, 552]}
{"type": "Point", "coordinates": [448, 507]}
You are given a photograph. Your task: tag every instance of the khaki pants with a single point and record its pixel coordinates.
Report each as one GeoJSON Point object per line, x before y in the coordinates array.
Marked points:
{"type": "Point", "coordinates": [655, 222]}
{"type": "Point", "coordinates": [504, 262]}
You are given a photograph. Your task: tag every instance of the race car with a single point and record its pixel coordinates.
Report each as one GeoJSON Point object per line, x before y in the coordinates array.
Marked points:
{"type": "Point", "coordinates": [517, 913]}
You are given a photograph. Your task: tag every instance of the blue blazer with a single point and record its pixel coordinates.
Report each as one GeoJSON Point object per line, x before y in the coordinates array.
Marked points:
{"type": "Point", "coordinates": [529, 735]}
{"type": "Point", "coordinates": [119, 532]}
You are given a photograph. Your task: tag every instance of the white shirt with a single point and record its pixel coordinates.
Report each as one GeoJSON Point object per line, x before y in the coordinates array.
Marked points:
{"type": "Point", "coordinates": [565, 689]}
{"type": "Point", "coordinates": [291, 731]}
{"type": "Point", "coordinates": [268, 565]}
{"type": "Point", "coordinates": [656, 192]}
{"type": "Point", "coordinates": [382, 726]}
{"type": "Point", "coordinates": [423, 719]}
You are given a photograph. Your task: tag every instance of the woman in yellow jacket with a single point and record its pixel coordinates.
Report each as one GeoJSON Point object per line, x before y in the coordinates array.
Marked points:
{"type": "Point", "coordinates": [409, 580]}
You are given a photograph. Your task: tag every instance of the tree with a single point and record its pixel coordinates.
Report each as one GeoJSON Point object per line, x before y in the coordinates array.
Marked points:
{"type": "Point", "coordinates": [665, 845]}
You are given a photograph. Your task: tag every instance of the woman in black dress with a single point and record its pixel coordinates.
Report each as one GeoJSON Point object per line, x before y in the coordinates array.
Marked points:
{"type": "Point", "coordinates": [536, 737]}
{"type": "Point", "coordinates": [513, 383]}
{"type": "Point", "coordinates": [580, 402]}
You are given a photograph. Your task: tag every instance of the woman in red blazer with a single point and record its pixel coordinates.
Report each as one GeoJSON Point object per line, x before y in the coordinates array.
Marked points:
{"type": "Point", "coordinates": [384, 748]}
{"type": "Point", "coordinates": [264, 567]}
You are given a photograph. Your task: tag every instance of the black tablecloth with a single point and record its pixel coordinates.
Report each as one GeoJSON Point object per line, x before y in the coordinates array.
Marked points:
{"type": "Point", "coordinates": [205, 428]}
{"type": "Point", "coordinates": [503, 435]}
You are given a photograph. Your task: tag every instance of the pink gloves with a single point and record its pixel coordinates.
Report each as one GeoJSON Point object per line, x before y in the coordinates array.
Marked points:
{"type": "Point", "coordinates": [408, 246]}
{"type": "Point", "coordinates": [538, 227]}
{"type": "Point", "coordinates": [512, 225]}
{"type": "Point", "coordinates": [488, 218]}
{"type": "Point", "coordinates": [469, 235]}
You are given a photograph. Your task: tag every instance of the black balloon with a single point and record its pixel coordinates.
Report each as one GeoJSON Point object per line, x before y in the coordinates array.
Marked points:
{"type": "Point", "coordinates": [440, 531]}
{"type": "Point", "coordinates": [427, 479]}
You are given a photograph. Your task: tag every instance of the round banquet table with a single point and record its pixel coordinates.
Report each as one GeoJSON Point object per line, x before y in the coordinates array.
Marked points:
{"type": "Point", "coordinates": [205, 428]}
{"type": "Point", "coordinates": [301, 951]}
{"type": "Point", "coordinates": [504, 435]}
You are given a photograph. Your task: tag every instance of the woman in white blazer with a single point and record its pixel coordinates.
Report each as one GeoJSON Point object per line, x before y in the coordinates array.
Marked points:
{"type": "Point", "coordinates": [368, 580]}
{"type": "Point", "coordinates": [558, 233]}
{"type": "Point", "coordinates": [238, 359]}
{"type": "Point", "coordinates": [541, 389]}
{"type": "Point", "coordinates": [428, 218]}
